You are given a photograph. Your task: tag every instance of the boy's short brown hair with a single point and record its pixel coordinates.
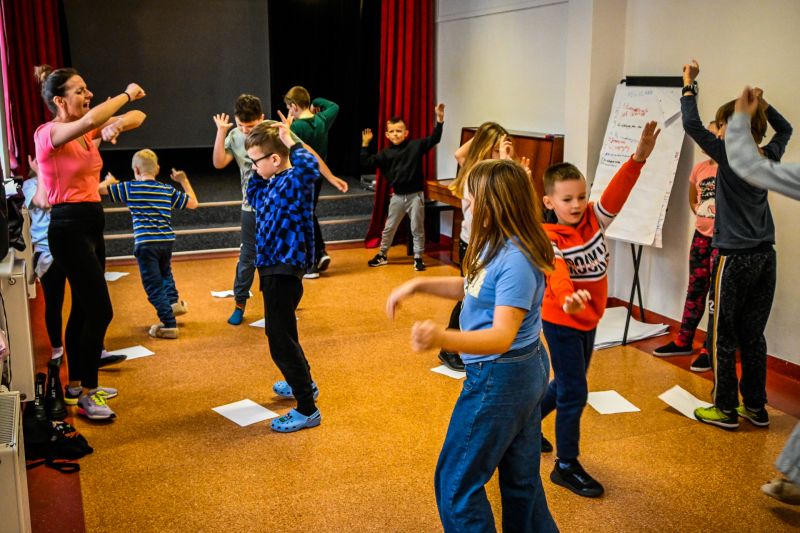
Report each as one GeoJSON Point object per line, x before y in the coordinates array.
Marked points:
{"type": "Point", "coordinates": [396, 119]}
{"type": "Point", "coordinates": [298, 95]}
{"type": "Point", "coordinates": [266, 137]}
{"type": "Point", "coordinates": [248, 108]}
{"type": "Point", "coordinates": [560, 172]}
{"type": "Point", "coordinates": [758, 123]}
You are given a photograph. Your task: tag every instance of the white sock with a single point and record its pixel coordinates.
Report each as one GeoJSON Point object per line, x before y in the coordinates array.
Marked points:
{"type": "Point", "coordinates": [57, 352]}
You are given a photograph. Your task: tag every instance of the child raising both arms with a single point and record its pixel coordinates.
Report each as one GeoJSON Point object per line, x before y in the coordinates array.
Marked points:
{"type": "Point", "coordinates": [575, 298]}
{"type": "Point", "coordinates": [744, 272]}
{"type": "Point", "coordinates": [402, 164]}
{"type": "Point", "coordinates": [151, 203]}
{"type": "Point", "coordinates": [496, 422]}
{"type": "Point", "coordinates": [702, 191]}
{"type": "Point", "coordinates": [282, 196]}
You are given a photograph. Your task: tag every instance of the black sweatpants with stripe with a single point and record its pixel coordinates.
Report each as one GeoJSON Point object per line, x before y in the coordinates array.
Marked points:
{"type": "Point", "coordinates": [742, 290]}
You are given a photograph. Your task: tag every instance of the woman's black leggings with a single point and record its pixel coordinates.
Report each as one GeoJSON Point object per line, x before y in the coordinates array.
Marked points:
{"type": "Point", "coordinates": [76, 242]}
{"type": "Point", "coordinates": [54, 283]}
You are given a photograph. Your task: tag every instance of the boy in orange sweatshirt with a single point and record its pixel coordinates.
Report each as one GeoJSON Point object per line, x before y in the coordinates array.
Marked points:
{"type": "Point", "coordinates": [575, 298]}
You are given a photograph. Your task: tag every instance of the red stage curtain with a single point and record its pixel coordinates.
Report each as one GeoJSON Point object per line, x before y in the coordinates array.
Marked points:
{"type": "Point", "coordinates": [407, 74]}
{"type": "Point", "coordinates": [31, 36]}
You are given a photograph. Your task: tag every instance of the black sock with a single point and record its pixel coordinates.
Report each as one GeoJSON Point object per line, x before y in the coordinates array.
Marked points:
{"type": "Point", "coordinates": [306, 408]}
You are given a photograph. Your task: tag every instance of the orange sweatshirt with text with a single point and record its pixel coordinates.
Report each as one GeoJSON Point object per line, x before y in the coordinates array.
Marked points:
{"type": "Point", "coordinates": [582, 254]}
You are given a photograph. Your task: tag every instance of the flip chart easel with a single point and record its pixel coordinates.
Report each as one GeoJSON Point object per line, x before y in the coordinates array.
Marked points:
{"type": "Point", "coordinates": [638, 100]}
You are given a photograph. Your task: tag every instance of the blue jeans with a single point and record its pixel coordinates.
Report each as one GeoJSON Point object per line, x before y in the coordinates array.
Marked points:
{"type": "Point", "coordinates": [496, 425]}
{"type": "Point", "coordinates": [155, 267]}
{"type": "Point", "coordinates": [570, 352]}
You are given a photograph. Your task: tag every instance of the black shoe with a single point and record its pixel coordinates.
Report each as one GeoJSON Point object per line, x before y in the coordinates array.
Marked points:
{"type": "Point", "coordinates": [107, 359]}
{"type": "Point", "coordinates": [702, 363]}
{"type": "Point", "coordinates": [575, 478]}
{"type": "Point", "coordinates": [419, 266]}
{"type": "Point", "coordinates": [35, 411]}
{"type": "Point", "coordinates": [673, 349]}
{"type": "Point", "coordinates": [324, 262]}
{"type": "Point", "coordinates": [35, 425]}
{"type": "Point", "coordinates": [54, 397]}
{"type": "Point", "coordinates": [452, 361]}
{"type": "Point", "coordinates": [378, 260]}
{"type": "Point", "coordinates": [547, 447]}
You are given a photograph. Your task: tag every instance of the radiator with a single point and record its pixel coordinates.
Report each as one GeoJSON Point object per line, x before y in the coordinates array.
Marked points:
{"type": "Point", "coordinates": [14, 508]}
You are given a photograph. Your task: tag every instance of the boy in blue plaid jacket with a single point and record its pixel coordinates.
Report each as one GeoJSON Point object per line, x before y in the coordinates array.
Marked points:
{"type": "Point", "coordinates": [281, 192]}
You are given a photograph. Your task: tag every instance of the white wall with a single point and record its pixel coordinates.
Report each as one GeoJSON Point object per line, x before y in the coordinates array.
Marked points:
{"type": "Point", "coordinates": [552, 66]}
{"type": "Point", "coordinates": [736, 42]}
{"type": "Point", "coordinates": [502, 61]}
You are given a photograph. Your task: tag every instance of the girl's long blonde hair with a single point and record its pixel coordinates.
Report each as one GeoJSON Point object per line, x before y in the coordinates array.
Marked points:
{"type": "Point", "coordinates": [486, 139]}
{"type": "Point", "coordinates": [504, 206]}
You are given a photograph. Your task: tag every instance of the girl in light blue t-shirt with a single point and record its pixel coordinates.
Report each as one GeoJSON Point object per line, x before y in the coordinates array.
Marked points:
{"type": "Point", "coordinates": [496, 421]}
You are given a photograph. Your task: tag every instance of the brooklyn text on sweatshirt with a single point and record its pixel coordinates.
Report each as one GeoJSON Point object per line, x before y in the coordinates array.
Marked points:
{"type": "Point", "coordinates": [582, 255]}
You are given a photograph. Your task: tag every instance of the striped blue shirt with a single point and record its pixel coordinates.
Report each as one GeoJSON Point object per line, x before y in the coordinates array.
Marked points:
{"type": "Point", "coordinates": [150, 203]}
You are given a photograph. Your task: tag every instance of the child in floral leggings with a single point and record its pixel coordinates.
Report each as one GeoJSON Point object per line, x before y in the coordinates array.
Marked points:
{"type": "Point", "coordinates": [701, 257]}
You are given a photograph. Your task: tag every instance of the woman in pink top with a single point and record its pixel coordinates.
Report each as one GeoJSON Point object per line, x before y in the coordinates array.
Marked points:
{"type": "Point", "coordinates": [702, 191]}
{"type": "Point", "coordinates": [69, 166]}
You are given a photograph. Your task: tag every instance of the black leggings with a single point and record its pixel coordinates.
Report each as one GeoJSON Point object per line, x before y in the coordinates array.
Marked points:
{"type": "Point", "coordinates": [282, 294]}
{"type": "Point", "coordinates": [76, 242]}
{"type": "Point", "coordinates": [455, 314]}
{"type": "Point", "coordinates": [54, 283]}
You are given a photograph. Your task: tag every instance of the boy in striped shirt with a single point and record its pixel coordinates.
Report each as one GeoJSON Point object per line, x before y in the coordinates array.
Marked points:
{"type": "Point", "coordinates": [151, 203]}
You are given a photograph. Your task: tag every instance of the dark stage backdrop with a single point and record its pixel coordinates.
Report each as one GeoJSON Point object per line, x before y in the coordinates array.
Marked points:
{"type": "Point", "coordinates": [332, 48]}
{"type": "Point", "coordinates": [192, 57]}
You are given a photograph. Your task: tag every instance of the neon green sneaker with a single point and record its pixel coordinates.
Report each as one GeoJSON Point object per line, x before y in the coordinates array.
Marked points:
{"type": "Point", "coordinates": [757, 417]}
{"type": "Point", "coordinates": [717, 417]}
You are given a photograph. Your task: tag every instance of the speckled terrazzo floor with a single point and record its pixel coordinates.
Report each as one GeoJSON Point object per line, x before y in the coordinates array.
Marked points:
{"type": "Point", "coordinates": [171, 464]}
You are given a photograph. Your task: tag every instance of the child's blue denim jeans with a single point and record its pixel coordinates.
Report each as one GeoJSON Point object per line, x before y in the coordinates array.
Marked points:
{"type": "Point", "coordinates": [496, 425]}
{"type": "Point", "coordinates": [155, 267]}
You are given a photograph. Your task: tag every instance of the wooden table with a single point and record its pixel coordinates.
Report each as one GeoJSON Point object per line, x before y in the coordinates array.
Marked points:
{"type": "Point", "coordinates": [543, 149]}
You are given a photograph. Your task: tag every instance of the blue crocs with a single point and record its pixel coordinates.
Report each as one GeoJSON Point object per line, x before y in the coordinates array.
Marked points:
{"type": "Point", "coordinates": [237, 316]}
{"type": "Point", "coordinates": [282, 389]}
{"type": "Point", "coordinates": [294, 421]}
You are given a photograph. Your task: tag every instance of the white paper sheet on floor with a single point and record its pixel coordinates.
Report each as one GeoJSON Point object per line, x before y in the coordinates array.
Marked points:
{"type": "Point", "coordinates": [683, 401]}
{"type": "Point", "coordinates": [134, 352]}
{"type": "Point", "coordinates": [612, 327]}
{"type": "Point", "coordinates": [245, 412]}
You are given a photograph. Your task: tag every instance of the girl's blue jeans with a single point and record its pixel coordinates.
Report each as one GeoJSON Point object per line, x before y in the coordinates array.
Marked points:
{"type": "Point", "coordinates": [496, 425]}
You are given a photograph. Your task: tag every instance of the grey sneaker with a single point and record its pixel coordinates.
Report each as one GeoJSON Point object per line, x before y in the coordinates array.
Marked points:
{"type": "Point", "coordinates": [180, 308]}
{"type": "Point", "coordinates": [94, 407]}
{"type": "Point", "coordinates": [106, 392]}
{"type": "Point", "coordinates": [161, 332]}
{"type": "Point", "coordinates": [73, 394]}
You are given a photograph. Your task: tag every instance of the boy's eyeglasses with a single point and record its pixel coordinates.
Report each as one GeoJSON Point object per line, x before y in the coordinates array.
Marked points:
{"type": "Point", "coordinates": [254, 162]}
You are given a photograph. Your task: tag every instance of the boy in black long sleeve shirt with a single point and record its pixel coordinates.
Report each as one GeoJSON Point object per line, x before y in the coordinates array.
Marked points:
{"type": "Point", "coordinates": [402, 164]}
{"type": "Point", "coordinates": [743, 276]}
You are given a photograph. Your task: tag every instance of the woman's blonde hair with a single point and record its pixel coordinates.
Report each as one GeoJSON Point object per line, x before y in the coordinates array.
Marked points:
{"type": "Point", "coordinates": [487, 137]}
{"type": "Point", "coordinates": [504, 206]}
